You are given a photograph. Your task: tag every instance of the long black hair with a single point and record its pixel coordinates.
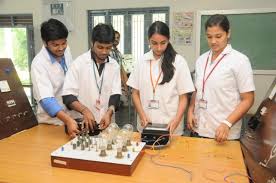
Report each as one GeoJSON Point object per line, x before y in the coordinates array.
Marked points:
{"type": "Point", "coordinates": [167, 67]}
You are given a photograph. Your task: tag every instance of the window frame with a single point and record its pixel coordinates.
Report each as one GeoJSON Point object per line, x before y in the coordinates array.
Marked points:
{"type": "Point", "coordinates": [22, 21]}
{"type": "Point", "coordinates": [127, 12]}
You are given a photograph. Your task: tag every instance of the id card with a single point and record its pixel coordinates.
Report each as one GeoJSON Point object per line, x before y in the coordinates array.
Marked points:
{"type": "Point", "coordinates": [153, 104]}
{"type": "Point", "coordinates": [202, 104]}
{"type": "Point", "coordinates": [98, 104]}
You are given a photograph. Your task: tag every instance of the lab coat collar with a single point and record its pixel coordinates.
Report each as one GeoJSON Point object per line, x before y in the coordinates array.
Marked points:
{"type": "Point", "coordinates": [226, 50]}
{"type": "Point", "coordinates": [149, 56]}
{"type": "Point", "coordinates": [93, 57]}
{"type": "Point", "coordinates": [50, 56]}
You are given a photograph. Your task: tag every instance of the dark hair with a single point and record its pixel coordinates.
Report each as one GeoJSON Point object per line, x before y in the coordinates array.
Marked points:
{"type": "Point", "coordinates": [103, 33]}
{"type": "Point", "coordinates": [116, 32]}
{"type": "Point", "coordinates": [167, 67]}
{"type": "Point", "coordinates": [218, 20]}
{"type": "Point", "coordinates": [53, 29]}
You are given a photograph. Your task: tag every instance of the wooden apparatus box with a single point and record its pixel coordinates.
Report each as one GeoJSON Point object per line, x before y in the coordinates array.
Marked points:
{"type": "Point", "coordinates": [89, 158]}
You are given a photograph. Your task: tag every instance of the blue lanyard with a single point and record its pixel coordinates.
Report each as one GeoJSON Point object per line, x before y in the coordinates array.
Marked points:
{"type": "Point", "coordinates": [62, 62]}
{"type": "Point", "coordinates": [64, 66]}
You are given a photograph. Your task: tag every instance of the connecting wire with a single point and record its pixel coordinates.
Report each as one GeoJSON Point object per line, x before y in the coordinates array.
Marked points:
{"type": "Point", "coordinates": [166, 165]}
{"type": "Point", "coordinates": [236, 174]}
{"type": "Point", "coordinates": [152, 155]}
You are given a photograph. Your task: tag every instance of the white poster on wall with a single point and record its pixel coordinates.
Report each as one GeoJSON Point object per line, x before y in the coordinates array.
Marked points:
{"type": "Point", "coordinates": [182, 28]}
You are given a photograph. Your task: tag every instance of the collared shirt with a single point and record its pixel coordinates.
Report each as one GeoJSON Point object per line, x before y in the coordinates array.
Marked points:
{"type": "Point", "coordinates": [50, 104]}
{"type": "Point", "coordinates": [167, 94]}
{"type": "Point", "coordinates": [232, 76]}
{"type": "Point", "coordinates": [80, 81]}
{"type": "Point", "coordinates": [62, 62]}
{"type": "Point", "coordinates": [100, 66]}
{"type": "Point", "coordinates": [116, 54]}
{"type": "Point", "coordinates": [48, 79]}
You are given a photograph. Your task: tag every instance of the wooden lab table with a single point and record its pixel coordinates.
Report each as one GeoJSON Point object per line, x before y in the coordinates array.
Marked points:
{"type": "Point", "coordinates": [25, 157]}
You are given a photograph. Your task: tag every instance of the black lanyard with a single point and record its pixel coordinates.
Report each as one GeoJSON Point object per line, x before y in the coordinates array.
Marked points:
{"type": "Point", "coordinates": [100, 71]}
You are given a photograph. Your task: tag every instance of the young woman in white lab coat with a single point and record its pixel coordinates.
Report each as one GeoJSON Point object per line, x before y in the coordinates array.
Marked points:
{"type": "Point", "coordinates": [224, 86]}
{"type": "Point", "coordinates": [160, 81]}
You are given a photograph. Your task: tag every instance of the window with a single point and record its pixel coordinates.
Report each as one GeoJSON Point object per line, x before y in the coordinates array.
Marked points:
{"type": "Point", "coordinates": [98, 19]}
{"type": "Point", "coordinates": [16, 42]}
{"type": "Point", "coordinates": [137, 35]}
{"type": "Point", "coordinates": [118, 24]}
{"type": "Point", "coordinates": [132, 25]}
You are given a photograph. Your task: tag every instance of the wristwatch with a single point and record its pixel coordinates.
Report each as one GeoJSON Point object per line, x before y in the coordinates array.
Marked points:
{"type": "Point", "coordinates": [227, 123]}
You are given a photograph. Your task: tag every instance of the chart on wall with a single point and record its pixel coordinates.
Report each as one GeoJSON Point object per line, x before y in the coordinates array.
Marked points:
{"type": "Point", "coordinates": [182, 28]}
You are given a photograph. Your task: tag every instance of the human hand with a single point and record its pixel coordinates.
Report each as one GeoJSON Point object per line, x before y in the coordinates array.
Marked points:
{"type": "Point", "coordinates": [191, 121]}
{"type": "Point", "coordinates": [222, 133]}
{"type": "Point", "coordinates": [106, 120]}
{"type": "Point", "coordinates": [72, 128]}
{"type": "Point", "coordinates": [89, 120]}
{"type": "Point", "coordinates": [144, 119]}
{"type": "Point", "coordinates": [173, 124]}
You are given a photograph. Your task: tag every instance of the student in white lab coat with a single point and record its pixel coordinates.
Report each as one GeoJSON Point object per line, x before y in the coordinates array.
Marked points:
{"type": "Point", "coordinates": [93, 84]}
{"type": "Point", "coordinates": [48, 70]}
{"type": "Point", "coordinates": [160, 81]}
{"type": "Point", "coordinates": [224, 86]}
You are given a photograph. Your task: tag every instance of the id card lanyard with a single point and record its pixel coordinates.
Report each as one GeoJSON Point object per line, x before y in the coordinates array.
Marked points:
{"type": "Point", "coordinates": [63, 65]}
{"type": "Point", "coordinates": [154, 104]}
{"type": "Point", "coordinates": [203, 103]}
{"type": "Point", "coordinates": [154, 85]}
{"type": "Point", "coordinates": [99, 86]}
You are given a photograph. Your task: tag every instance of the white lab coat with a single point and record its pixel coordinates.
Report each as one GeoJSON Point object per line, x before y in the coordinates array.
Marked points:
{"type": "Point", "coordinates": [232, 76]}
{"type": "Point", "coordinates": [167, 94]}
{"type": "Point", "coordinates": [48, 79]}
{"type": "Point", "coordinates": [80, 82]}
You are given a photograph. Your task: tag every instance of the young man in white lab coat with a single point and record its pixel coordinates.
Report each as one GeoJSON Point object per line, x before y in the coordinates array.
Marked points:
{"type": "Point", "coordinates": [93, 84]}
{"type": "Point", "coordinates": [48, 71]}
